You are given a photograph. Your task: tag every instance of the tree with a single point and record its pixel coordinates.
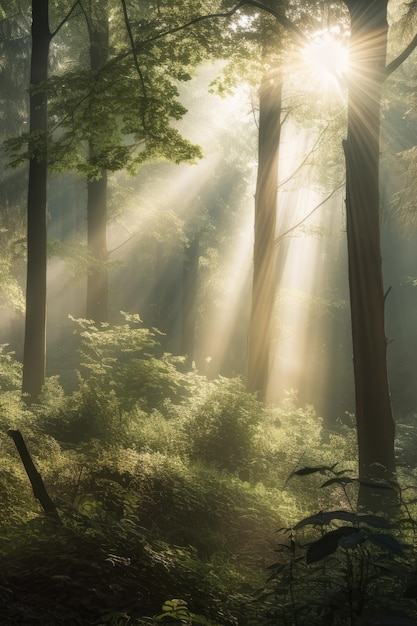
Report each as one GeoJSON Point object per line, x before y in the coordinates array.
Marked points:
{"type": "Point", "coordinates": [97, 275]}
{"type": "Point", "coordinates": [368, 71]}
{"type": "Point", "coordinates": [264, 275]}
{"type": "Point", "coordinates": [35, 324]}
{"type": "Point", "coordinates": [374, 418]}
{"type": "Point", "coordinates": [99, 107]}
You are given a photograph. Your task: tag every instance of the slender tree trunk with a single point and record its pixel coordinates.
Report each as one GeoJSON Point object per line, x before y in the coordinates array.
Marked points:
{"type": "Point", "coordinates": [97, 279]}
{"type": "Point", "coordinates": [189, 299]}
{"type": "Point", "coordinates": [375, 423]}
{"type": "Point", "coordinates": [35, 326]}
{"type": "Point", "coordinates": [264, 287]}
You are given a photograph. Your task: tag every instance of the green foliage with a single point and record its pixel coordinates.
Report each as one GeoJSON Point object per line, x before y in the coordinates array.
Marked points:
{"type": "Point", "coordinates": [13, 249]}
{"type": "Point", "coordinates": [126, 359]}
{"type": "Point", "coordinates": [10, 371]}
{"type": "Point", "coordinates": [170, 495]}
{"type": "Point", "coordinates": [177, 610]}
{"type": "Point", "coordinates": [221, 431]}
{"type": "Point", "coordinates": [122, 370]}
{"type": "Point", "coordinates": [127, 108]}
{"type": "Point", "coordinates": [349, 574]}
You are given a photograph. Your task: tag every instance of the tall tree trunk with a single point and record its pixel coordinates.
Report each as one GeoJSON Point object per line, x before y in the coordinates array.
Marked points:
{"type": "Point", "coordinates": [35, 325]}
{"type": "Point", "coordinates": [375, 423]}
{"type": "Point", "coordinates": [189, 299]}
{"type": "Point", "coordinates": [264, 287]}
{"type": "Point", "coordinates": [97, 279]}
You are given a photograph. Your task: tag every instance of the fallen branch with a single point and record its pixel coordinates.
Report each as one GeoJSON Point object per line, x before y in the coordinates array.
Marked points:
{"type": "Point", "coordinates": [39, 489]}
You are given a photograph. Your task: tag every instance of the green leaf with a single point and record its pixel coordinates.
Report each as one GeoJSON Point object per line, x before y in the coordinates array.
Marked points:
{"type": "Point", "coordinates": [321, 469]}
{"type": "Point", "coordinates": [339, 480]}
{"type": "Point", "coordinates": [387, 542]}
{"type": "Point", "coordinates": [351, 541]}
{"type": "Point", "coordinates": [325, 517]}
{"type": "Point", "coordinates": [376, 521]}
{"type": "Point", "coordinates": [327, 544]}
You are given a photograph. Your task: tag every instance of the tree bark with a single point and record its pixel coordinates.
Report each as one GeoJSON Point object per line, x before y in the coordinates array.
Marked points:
{"type": "Point", "coordinates": [34, 354]}
{"type": "Point", "coordinates": [189, 299]}
{"type": "Point", "coordinates": [264, 287]}
{"type": "Point", "coordinates": [375, 423]}
{"type": "Point", "coordinates": [97, 278]}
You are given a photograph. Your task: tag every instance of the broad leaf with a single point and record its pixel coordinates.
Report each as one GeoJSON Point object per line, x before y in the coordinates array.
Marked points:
{"type": "Point", "coordinates": [388, 543]}
{"type": "Point", "coordinates": [339, 480]}
{"type": "Point", "coordinates": [321, 469]}
{"type": "Point", "coordinates": [327, 544]}
{"type": "Point", "coordinates": [325, 517]}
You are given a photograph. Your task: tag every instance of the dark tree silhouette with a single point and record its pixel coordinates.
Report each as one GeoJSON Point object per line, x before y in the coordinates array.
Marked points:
{"type": "Point", "coordinates": [35, 325]}
{"type": "Point", "coordinates": [97, 278]}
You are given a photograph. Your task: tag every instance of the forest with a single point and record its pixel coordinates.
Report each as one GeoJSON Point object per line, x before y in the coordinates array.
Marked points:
{"type": "Point", "coordinates": [208, 295]}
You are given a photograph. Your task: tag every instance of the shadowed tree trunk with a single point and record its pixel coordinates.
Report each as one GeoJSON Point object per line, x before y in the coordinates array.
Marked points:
{"type": "Point", "coordinates": [264, 287]}
{"type": "Point", "coordinates": [35, 325]}
{"type": "Point", "coordinates": [97, 278]}
{"type": "Point", "coordinates": [375, 423]}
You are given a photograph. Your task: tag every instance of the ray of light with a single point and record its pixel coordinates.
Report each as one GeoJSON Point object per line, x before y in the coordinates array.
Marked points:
{"type": "Point", "coordinates": [306, 258]}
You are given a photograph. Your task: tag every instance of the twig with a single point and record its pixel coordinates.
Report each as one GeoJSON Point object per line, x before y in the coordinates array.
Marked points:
{"type": "Point", "coordinates": [290, 230]}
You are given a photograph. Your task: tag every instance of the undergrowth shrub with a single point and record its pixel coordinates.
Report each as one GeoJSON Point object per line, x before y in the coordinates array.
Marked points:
{"type": "Point", "coordinates": [289, 436]}
{"type": "Point", "coordinates": [340, 567]}
{"type": "Point", "coordinates": [123, 376]}
{"type": "Point", "coordinates": [222, 425]}
{"type": "Point", "coordinates": [163, 480]}
{"type": "Point", "coordinates": [127, 360]}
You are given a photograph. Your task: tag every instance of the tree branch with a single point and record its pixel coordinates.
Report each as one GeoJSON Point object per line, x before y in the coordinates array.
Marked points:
{"type": "Point", "coordinates": [132, 45]}
{"type": "Point", "coordinates": [307, 156]}
{"type": "Point", "coordinates": [39, 489]}
{"type": "Point", "coordinates": [395, 64]}
{"type": "Point", "coordinates": [65, 19]}
{"type": "Point", "coordinates": [292, 228]}
{"type": "Point", "coordinates": [280, 17]}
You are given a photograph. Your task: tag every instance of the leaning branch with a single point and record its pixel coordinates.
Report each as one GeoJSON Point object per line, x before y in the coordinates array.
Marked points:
{"type": "Point", "coordinates": [280, 17]}
{"type": "Point", "coordinates": [399, 60]}
{"type": "Point", "coordinates": [65, 19]}
{"type": "Point", "coordinates": [305, 218]}
{"type": "Point", "coordinates": [39, 489]}
{"type": "Point", "coordinates": [308, 155]}
{"type": "Point", "coordinates": [132, 45]}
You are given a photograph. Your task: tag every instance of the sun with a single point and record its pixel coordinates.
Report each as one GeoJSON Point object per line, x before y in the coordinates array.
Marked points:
{"type": "Point", "coordinates": [327, 58]}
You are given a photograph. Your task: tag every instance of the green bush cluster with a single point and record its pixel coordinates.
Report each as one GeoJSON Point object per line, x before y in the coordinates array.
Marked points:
{"type": "Point", "coordinates": [170, 489]}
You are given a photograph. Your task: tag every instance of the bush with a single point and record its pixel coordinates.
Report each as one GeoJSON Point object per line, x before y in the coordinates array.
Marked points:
{"type": "Point", "coordinates": [222, 428]}
{"type": "Point", "coordinates": [341, 567]}
{"type": "Point", "coordinates": [126, 361]}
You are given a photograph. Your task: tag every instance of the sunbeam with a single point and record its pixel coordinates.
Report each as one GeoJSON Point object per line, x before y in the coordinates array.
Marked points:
{"type": "Point", "coordinates": [308, 257]}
